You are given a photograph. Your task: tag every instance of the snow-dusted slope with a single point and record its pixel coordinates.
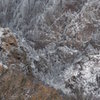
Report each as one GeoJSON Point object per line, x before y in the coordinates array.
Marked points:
{"type": "Point", "coordinates": [62, 40]}
{"type": "Point", "coordinates": [85, 76]}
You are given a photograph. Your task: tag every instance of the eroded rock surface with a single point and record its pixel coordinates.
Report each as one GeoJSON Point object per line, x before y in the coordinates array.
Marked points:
{"type": "Point", "coordinates": [60, 41]}
{"type": "Point", "coordinates": [16, 79]}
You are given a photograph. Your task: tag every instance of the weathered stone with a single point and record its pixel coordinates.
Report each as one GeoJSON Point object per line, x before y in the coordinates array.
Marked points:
{"type": "Point", "coordinates": [16, 79]}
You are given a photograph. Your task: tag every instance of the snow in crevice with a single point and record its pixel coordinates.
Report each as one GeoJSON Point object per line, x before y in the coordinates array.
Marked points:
{"type": "Point", "coordinates": [4, 66]}
{"type": "Point", "coordinates": [1, 32]}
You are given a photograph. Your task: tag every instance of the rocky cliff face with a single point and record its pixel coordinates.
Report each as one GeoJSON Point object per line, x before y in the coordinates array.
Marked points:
{"type": "Point", "coordinates": [60, 41]}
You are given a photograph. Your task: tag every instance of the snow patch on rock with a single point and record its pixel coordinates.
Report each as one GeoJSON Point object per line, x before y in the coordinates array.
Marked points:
{"type": "Point", "coordinates": [85, 77]}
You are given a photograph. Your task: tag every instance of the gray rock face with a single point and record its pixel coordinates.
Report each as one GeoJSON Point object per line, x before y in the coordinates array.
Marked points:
{"type": "Point", "coordinates": [62, 40]}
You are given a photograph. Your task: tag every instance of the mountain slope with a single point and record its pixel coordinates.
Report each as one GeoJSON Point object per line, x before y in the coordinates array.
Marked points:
{"type": "Point", "coordinates": [61, 40]}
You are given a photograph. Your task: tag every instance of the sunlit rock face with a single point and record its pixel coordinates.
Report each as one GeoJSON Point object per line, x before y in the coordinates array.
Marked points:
{"type": "Point", "coordinates": [61, 40]}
